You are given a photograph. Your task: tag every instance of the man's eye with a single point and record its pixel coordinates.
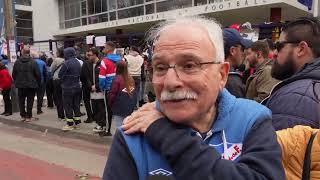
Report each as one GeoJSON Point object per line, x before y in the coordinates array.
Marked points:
{"type": "Point", "coordinates": [160, 68]}
{"type": "Point", "coordinates": [190, 66]}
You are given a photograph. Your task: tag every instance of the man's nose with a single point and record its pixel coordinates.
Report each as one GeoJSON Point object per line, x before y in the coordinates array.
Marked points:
{"type": "Point", "coordinates": [172, 79]}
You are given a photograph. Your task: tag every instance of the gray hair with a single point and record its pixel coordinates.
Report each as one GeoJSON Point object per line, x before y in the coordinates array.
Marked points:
{"type": "Point", "coordinates": [212, 26]}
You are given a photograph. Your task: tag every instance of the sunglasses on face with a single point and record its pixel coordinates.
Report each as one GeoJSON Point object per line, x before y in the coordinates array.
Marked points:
{"type": "Point", "coordinates": [280, 44]}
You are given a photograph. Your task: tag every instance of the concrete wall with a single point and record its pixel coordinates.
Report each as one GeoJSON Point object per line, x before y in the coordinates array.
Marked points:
{"type": "Point", "coordinates": [45, 19]}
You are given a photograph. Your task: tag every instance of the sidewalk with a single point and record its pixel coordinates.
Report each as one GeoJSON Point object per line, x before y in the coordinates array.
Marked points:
{"type": "Point", "coordinates": [48, 123]}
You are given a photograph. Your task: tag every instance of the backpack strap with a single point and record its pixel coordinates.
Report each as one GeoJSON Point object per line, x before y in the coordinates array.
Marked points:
{"type": "Point", "coordinates": [307, 159]}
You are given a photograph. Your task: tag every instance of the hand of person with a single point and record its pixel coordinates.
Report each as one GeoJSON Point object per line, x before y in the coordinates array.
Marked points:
{"type": "Point", "coordinates": [140, 120]}
{"type": "Point", "coordinates": [93, 88]}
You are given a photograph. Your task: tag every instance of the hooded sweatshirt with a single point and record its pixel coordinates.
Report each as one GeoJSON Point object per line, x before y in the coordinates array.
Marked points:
{"type": "Point", "coordinates": [296, 100]}
{"type": "Point", "coordinates": [70, 71]}
{"type": "Point", "coordinates": [135, 61]}
{"type": "Point", "coordinates": [108, 71]}
{"type": "Point", "coordinates": [26, 73]}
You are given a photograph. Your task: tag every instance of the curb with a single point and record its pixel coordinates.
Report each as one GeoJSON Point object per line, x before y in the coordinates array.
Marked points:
{"type": "Point", "coordinates": [59, 132]}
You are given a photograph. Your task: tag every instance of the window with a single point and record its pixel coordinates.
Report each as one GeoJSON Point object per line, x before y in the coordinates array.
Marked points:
{"type": "Point", "coordinates": [90, 7]}
{"type": "Point", "coordinates": [113, 16]}
{"type": "Point", "coordinates": [128, 3]}
{"type": "Point", "coordinates": [72, 23]}
{"type": "Point", "coordinates": [215, 1]}
{"type": "Point", "coordinates": [24, 32]}
{"type": "Point", "coordinates": [150, 9]}
{"type": "Point", "coordinates": [23, 2]}
{"type": "Point", "coordinates": [200, 2]}
{"type": "Point", "coordinates": [112, 4]}
{"type": "Point", "coordinates": [75, 23]}
{"type": "Point", "coordinates": [68, 24]}
{"type": "Point", "coordinates": [84, 21]}
{"type": "Point", "coordinates": [103, 17]}
{"type": "Point", "coordinates": [83, 8]}
{"type": "Point", "coordinates": [97, 6]}
{"type": "Point", "coordinates": [173, 4]}
{"type": "Point", "coordinates": [66, 12]}
{"type": "Point", "coordinates": [104, 5]}
{"type": "Point", "coordinates": [24, 23]}
{"type": "Point", "coordinates": [132, 12]}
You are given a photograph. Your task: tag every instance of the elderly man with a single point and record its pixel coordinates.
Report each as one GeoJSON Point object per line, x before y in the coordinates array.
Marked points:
{"type": "Point", "coordinates": [199, 130]}
{"type": "Point", "coordinates": [43, 73]}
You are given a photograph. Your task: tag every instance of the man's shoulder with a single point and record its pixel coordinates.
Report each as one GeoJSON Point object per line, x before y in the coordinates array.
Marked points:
{"type": "Point", "coordinates": [299, 86]}
{"type": "Point", "coordinates": [251, 108]}
{"type": "Point", "coordinates": [107, 61]}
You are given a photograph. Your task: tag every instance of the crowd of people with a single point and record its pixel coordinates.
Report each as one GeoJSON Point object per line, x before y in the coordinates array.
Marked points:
{"type": "Point", "coordinates": [107, 83]}
{"type": "Point", "coordinates": [219, 106]}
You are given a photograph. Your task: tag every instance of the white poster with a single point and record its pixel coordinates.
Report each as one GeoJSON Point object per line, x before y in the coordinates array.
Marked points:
{"type": "Point", "coordinates": [100, 41]}
{"type": "Point", "coordinates": [89, 39]}
{"type": "Point", "coordinates": [13, 53]}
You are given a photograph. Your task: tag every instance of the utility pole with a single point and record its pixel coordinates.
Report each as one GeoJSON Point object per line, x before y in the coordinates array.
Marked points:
{"type": "Point", "coordinates": [11, 45]}
{"type": "Point", "coordinates": [8, 23]}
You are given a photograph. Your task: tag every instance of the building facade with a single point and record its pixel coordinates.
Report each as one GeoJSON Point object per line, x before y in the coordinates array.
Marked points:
{"type": "Point", "coordinates": [58, 19]}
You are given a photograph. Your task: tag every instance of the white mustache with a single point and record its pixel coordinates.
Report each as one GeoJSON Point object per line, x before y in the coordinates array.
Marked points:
{"type": "Point", "coordinates": [178, 95]}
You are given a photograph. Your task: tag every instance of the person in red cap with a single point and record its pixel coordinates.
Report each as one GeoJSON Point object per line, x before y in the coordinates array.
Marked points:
{"type": "Point", "coordinates": [235, 26]}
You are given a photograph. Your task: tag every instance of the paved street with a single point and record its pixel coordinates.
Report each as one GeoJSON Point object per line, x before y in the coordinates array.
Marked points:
{"type": "Point", "coordinates": [41, 150]}
{"type": "Point", "coordinates": [28, 154]}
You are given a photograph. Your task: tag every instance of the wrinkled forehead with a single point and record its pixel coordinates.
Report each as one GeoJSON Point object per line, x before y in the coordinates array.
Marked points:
{"type": "Point", "coordinates": [181, 38]}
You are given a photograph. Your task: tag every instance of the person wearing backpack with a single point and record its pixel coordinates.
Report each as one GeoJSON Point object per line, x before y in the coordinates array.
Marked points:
{"type": "Point", "coordinates": [122, 96]}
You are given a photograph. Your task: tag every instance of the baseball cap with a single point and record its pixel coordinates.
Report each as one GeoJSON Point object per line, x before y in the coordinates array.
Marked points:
{"type": "Point", "coordinates": [232, 38]}
{"type": "Point", "coordinates": [247, 43]}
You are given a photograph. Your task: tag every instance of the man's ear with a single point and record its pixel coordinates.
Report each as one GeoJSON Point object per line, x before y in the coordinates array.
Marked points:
{"type": "Point", "coordinates": [232, 51]}
{"type": "Point", "coordinates": [224, 72]}
{"type": "Point", "coordinates": [303, 48]}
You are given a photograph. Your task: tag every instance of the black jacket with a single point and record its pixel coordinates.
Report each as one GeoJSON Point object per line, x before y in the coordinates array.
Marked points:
{"type": "Point", "coordinates": [235, 84]}
{"type": "Point", "coordinates": [296, 100]}
{"type": "Point", "coordinates": [87, 78]}
{"type": "Point", "coordinates": [70, 71]}
{"type": "Point", "coordinates": [26, 73]}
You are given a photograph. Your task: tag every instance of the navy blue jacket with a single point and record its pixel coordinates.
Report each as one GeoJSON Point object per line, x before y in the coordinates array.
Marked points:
{"type": "Point", "coordinates": [122, 104]}
{"type": "Point", "coordinates": [70, 71]}
{"type": "Point", "coordinates": [246, 139]}
{"type": "Point", "coordinates": [296, 100]}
